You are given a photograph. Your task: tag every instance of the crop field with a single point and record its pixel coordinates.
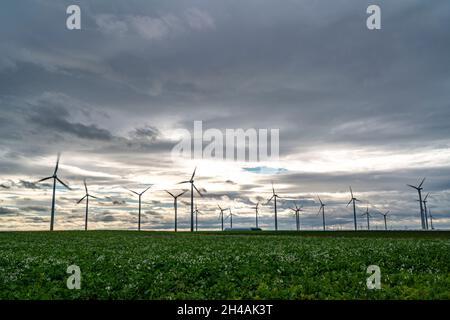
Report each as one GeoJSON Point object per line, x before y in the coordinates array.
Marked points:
{"type": "Point", "coordinates": [213, 265]}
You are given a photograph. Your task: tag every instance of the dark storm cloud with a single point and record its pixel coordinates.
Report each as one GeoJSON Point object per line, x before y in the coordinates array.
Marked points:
{"type": "Point", "coordinates": [330, 79]}
{"type": "Point", "coordinates": [7, 211]}
{"type": "Point", "coordinates": [28, 184]}
{"type": "Point", "coordinates": [55, 119]}
{"type": "Point", "coordinates": [105, 216]}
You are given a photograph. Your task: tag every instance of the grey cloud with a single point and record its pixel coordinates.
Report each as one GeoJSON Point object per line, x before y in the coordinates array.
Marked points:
{"type": "Point", "coordinates": [7, 211]}
{"type": "Point", "coordinates": [155, 27]}
{"type": "Point", "coordinates": [28, 184]}
{"type": "Point", "coordinates": [55, 118]}
{"type": "Point", "coordinates": [35, 208]}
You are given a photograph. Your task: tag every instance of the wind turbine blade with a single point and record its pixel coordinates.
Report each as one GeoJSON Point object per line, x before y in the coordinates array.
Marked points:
{"type": "Point", "coordinates": [320, 200]}
{"type": "Point", "coordinates": [93, 196]}
{"type": "Point", "coordinates": [414, 187]}
{"type": "Point", "coordinates": [420, 185]}
{"type": "Point", "coordinates": [183, 182]}
{"type": "Point", "coordinates": [351, 191]}
{"type": "Point", "coordinates": [44, 179]}
{"type": "Point", "coordinates": [349, 202]}
{"type": "Point", "coordinates": [193, 174]}
{"type": "Point", "coordinates": [65, 185]}
{"type": "Point", "coordinates": [85, 186]}
{"type": "Point", "coordinates": [169, 193]}
{"type": "Point", "coordinates": [425, 199]}
{"type": "Point", "coordinates": [197, 190]}
{"type": "Point", "coordinates": [145, 190]}
{"type": "Point", "coordinates": [57, 163]}
{"type": "Point", "coordinates": [270, 199]}
{"type": "Point", "coordinates": [386, 213]}
{"type": "Point", "coordinates": [132, 191]}
{"type": "Point", "coordinates": [219, 208]}
{"type": "Point", "coordinates": [81, 199]}
{"type": "Point", "coordinates": [180, 194]}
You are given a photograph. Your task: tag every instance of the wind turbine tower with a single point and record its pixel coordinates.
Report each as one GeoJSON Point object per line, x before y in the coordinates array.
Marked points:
{"type": "Point", "coordinates": [175, 205]}
{"type": "Point", "coordinates": [322, 208]}
{"type": "Point", "coordinates": [353, 200]}
{"type": "Point", "coordinates": [419, 190]}
{"type": "Point", "coordinates": [297, 210]}
{"type": "Point", "coordinates": [86, 196]}
{"type": "Point", "coordinates": [55, 178]}
{"type": "Point", "coordinates": [368, 216]}
{"type": "Point", "coordinates": [191, 181]}
{"type": "Point", "coordinates": [275, 196]}
{"type": "Point", "coordinates": [221, 214]}
{"type": "Point", "coordinates": [256, 213]}
{"type": "Point", "coordinates": [140, 201]}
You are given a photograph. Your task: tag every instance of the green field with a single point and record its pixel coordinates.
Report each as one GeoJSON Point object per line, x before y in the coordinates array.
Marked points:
{"type": "Point", "coordinates": [213, 265]}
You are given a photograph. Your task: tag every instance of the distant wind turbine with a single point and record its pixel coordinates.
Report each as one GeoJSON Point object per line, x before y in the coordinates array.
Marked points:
{"type": "Point", "coordinates": [368, 216]}
{"type": "Point", "coordinates": [322, 208]}
{"type": "Point", "coordinates": [297, 210]}
{"type": "Point", "coordinates": [86, 196]}
{"type": "Point", "coordinates": [431, 219]}
{"type": "Point", "coordinates": [196, 218]}
{"type": "Point", "coordinates": [256, 213]}
{"type": "Point", "coordinates": [425, 209]}
{"type": "Point", "coordinates": [221, 214]}
{"type": "Point", "coordinates": [385, 217]}
{"type": "Point", "coordinates": [231, 218]}
{"type": "Point", "coordinates": [175, 198]}
{"type": "Point", "coordinates": [419, 190]}
{"type": "Point", "coordinates": [191, 181]}
{"type": "Point", "coordinates": [140, 198]}
{"type": "Point", "coordinates": [275, 196]}
{"type": "Point", "coordinates": [55, 178]}
{"type": "Point", "coordinates": [353, 199]}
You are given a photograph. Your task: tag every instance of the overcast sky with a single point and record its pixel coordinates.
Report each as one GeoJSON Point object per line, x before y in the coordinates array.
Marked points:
{"type": "Point", "coordinates": [370, 109]}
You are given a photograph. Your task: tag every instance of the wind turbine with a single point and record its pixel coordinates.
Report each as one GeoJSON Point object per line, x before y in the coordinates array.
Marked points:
{"type": "Point", "coordinates": [196, 218]}
{"type": "Point", "coordinates": [384, 217]}
{"type": "Point", "coordinates": [140, 198]}
{"type": "Point", "coordinates": [419, 190]}
{"type": "Point", "coordinates": [86, 196]}
{"type": "Point", "coordinates": [231, 218]}
{"type": "Point", "coordinates": [175, 198]}
{"type": "Point", "coordinates": [256, 212]}
{"type": "Point", "coordinates": [191, 181]}
{"type": "Point", "coordinates": [431, 220]}
{"type": "Point", "coordinates": [55, 178]}
{"type": "Point", "coordinates": [367, 214]}
{"type": "Point", "coordinates": [322, 208]}
{"type": "Point", "coordinates": [274, 196]}
{"type": "Point", "coordinates": [221, 214]}
{"type": "Point", "coordinates": [425, 210]}
{"type": "Point", "coordinates": [297, 210]}
{"type": "Point", "coordinates": [353, 199]}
